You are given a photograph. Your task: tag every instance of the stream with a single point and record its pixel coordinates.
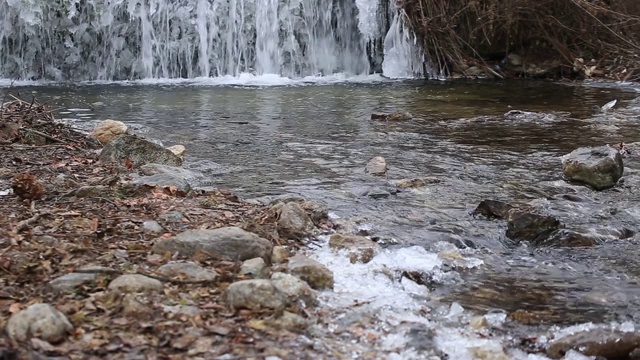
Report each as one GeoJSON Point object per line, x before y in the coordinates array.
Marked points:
{"type": "Point", "coordinates": [265, 139]}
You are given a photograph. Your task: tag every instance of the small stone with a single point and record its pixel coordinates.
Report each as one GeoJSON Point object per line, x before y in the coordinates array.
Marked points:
{"type": "Point", "coordinates": [255, 268]}
{"type": "Point", "coordinates": [228, 243]}
{"type": "Point", "coordinates": [152, 226]}
{"type": "Point", "coordinates": [360, 249]}
{"type": "Point", "coordinates": [289, 321]}
{"type": "Point", "coordinates": [279, 254]}
{"type": "Point", "coordinates": [295, 289]}
{"type": "Point", "coordinates": [133, 283]}
{"type": "Point", "coordinates": [293, 221]}
{"type": "Point", "coordinates": [187, 310]}
{"type": "Point", "coordinates": [377, 166]}
{"type": "Point", "coordinates": [71, 281]}
{"type": "Point", "coordinates": [478, 322]}
{"type": "Point", "coordinates": [131, 306]}
{"type": "Point", "coordinates": [255, 294]}
{"type": "Point", "coordinates": [106, 130]}
{"type": "Point", "coordinates": [315, 274]}
{"type": "Point", "coordinates": [414, 183]}
{"type": "Point", "coordinates": [41, 321]}
{"type": "Point", "coordinates": [177, 149]}
{"type": "Point", "coordinates": [187, 271]}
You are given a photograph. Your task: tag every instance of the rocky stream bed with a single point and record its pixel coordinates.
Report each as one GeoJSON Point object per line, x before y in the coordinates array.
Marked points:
{"type": "Point", "coordinates": [108, 251]}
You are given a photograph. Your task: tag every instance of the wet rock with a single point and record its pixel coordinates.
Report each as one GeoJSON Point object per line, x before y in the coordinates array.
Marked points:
{"type": "Point", "coordinates": [279, 254]}
{"type": "Point", "coordinates": [360, 249]}
{"type": "Point", "coordinates": [175, 184]}
{"type": "Point", "coordinates": [179, 150]}
{"type": "Point", "coordinates": [394, 116]}
{"type": "Point", "coordinates": [524, 226]}
{"type": "Point", "coordinates": [609, 344]}
{"type": "Point", "coordinates": [255, 268]}
{"type": "Point", "coordinates": [289, 321]}
{"type": "Point", "coordinates": [295, 289]}
{"type": "Point", "coordinates": [71, 281]}
{"type": "Point", "coordinates": [478, 322]}
{"type": "Point", "coordinates": [600, 167]}
{"type": "Point", "coordinates": [152, 226]}
{"type": "Point", "coordinates": [137, 150]}
{"type": "Point", "coordinates": [414, 183]}
{"type": "Point", "coordinates": [570, 238]}
{"type": "Point", "coordinates": [228, 243]}
{"type": "Point", "coordinates": [41, 321]}
{"type": "Point", "coordinates": [133, 283]}
{"type": "Point", "coordinates": [293, 221]}
{"type": "Point", "coordinates": [133, 307]}
{"type": "Point", "coordinates": [106, 130]}
{"type": "Point", "coordinates": [378, 193]}
{"type": "Point", "coordinates": [255, 294]}
{"type": "Point", "coordinates": [315, 274]}
{"type": "Point", "coordinates": [317, 211]}
{"type": "Point", "coordinates": [493, 209]}
{"type": "Point", "coordinates": [377, 166]}
{"type": "Point", "coordinates": [187, 271]}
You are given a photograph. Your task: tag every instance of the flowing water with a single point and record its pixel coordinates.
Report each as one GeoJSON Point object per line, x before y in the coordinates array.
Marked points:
{"type": "Point", "coordinates": [313, 141]}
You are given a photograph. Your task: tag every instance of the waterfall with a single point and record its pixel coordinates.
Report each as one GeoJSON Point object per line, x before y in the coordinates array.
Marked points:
{"type": "Point", "coordinates": [76, 40]}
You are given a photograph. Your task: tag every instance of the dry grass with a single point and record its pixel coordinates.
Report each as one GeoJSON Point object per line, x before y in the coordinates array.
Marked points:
{"type": "Point", "coordinates": [455, 32]}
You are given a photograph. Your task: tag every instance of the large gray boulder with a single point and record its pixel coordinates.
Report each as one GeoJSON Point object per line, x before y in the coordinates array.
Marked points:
{"type": "Point", "coordinates": [137, 150]}
{"type": "Point", "coordinates": [228, 243]}
{"type": "Point", "coordinates": [599, 167]}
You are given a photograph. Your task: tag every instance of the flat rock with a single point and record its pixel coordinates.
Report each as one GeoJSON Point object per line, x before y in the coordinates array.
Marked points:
{"type": "Point", "coordinates": [255, 294]}
{"type": "Point", "coordinates": [599, 167]}
{"type": "Point", "coordinates": [255, 268]}
{"type": "Point", "coordinates": [41, 321]}
{"type": "Point", "coordinates": [156, 169]}
{"type": "Point", "coordinates": [71, 281]}
{"type": "Point", "coordinates": [493, 209]}
{"type": "Point", "coordinates": [162, 181]}
{"type": "Point", "coordinates": [393, 116]}
{"type": "Point", "coordinates": [187, 271]}
{"type": "Point", "coordinates": [228, 243]}
{"type": "Point", "coordinates": [137, 150]}
{"type": "Point", "coordinates": [570, 238]}
{"type": "Point", "coordinates": [295, 289]}
{"type": "Point", "coordinates": [106, 130]}
{"type": "Point", "coordinates": [359, 248]}
{"type": "Point", "coordinates": [314, 273]}
{"type": "Point", "coordinates": [377, 166]}
{"type": "Point", "coordinates": [605, 343]}
{"type": "Point", "coordinates": [134, 283]}
{"type": "Point", "coordinates": [525, 226]}
{"type": "Point", "coordinates": [179, 150]}
{"type": "Point", "coordinates": [293, 221]}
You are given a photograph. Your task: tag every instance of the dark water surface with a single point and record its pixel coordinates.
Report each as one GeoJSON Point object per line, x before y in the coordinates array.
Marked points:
{"type": "Point", "coordinates": [314, 141]}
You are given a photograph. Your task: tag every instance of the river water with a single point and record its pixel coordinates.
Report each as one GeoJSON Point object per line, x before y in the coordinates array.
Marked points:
{"type": "Point", "coordinates": [312, 140]}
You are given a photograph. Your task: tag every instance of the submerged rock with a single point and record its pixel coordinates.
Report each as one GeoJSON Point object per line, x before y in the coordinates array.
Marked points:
{"type": "Point", "coordinates": [293, 221]}
{"type": "Point", "coordinates": [414, 182]}
{"type": "Point", "coordinates": [315, 274]}
{"type": "Point", "coordinates": [360, 249]}
{"type": "Point", "coordinates": [41, 321]}
{"type": "Point", "coordinates": [228, 243]}
{"type": "Point", "coordinates": [106, 130]}
{"type": "Point", "coordinates": [600, 167]}
{"type": "Point", "coordinates": [524, 226]}
{"type": "Point", "coordinates": [605, 343]}
{"type": "Point", "coordinates": [394, 116]}
{"type": "Point", "coordinates": [137, 150]}
{"type": "Point", "coordinates": [377, 166]}
{"type": "Point", "coordinates": [493, 209]}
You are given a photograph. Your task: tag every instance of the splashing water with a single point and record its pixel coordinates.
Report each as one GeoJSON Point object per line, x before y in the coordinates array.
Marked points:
{"type": "Point", "coordinates": [132, 39]}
